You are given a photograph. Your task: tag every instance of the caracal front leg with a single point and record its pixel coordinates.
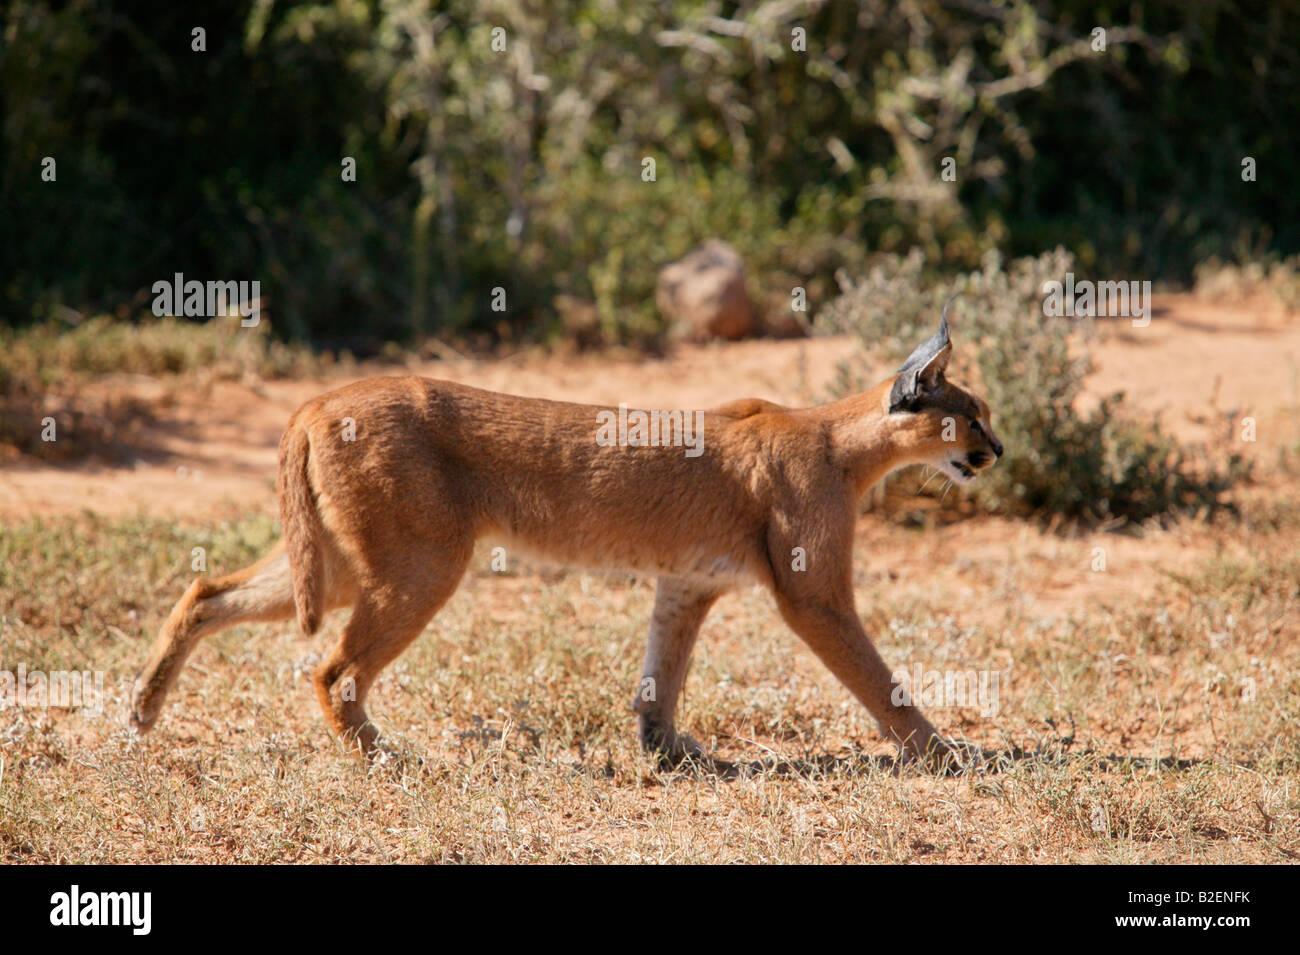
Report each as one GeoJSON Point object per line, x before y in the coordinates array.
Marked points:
{"type": "Point", "coordinates": [836, 635]}
{"type": "Point", "coordinates": [680, 608]}
{"type": "Point", "coordinates": [816, 600]}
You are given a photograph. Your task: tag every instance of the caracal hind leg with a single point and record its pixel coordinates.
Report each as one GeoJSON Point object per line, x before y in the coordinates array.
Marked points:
{"type": "Point", "coordinates": [262, 591]}
{"type": "Point", "coordinates": [679, 609]}
{"type": "Point", "coordinates": [388, 616]}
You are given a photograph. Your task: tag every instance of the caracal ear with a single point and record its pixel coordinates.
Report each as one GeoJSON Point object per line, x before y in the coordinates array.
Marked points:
{"type": "Point", "coordinates": [924, 368]}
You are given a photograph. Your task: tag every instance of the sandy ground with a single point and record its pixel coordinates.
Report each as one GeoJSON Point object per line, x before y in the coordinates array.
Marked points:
{"type": "Point", "coordinates": [1199, 365]}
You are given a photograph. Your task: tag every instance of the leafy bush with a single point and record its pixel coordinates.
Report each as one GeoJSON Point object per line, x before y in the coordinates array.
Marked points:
{"type": "Point", "coordinates": [614, 262]}
{"type": "Point", "coordinates": [1094, 466]}
{"type": "Point", "coordinates": [478, 167]}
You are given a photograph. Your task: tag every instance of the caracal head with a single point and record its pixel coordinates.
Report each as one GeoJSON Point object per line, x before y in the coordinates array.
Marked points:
{"type": "Point", "coordinates": [940, 423]}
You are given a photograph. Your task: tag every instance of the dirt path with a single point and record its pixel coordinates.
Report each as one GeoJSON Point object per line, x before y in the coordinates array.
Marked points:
{"type": "Point", "coordinates": [1200, 366]}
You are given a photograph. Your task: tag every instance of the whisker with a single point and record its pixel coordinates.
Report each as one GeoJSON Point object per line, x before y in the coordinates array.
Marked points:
{"type": "Point", "coordinates": [934, 473]}
{"type": "Point", "coordinates": [946, 488]}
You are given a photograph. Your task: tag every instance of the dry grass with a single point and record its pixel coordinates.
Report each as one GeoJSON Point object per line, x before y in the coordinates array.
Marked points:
{"type": "Point", "coordinates": [1123, 731]}
{"type": "Point", "coordinates": [57, 370]}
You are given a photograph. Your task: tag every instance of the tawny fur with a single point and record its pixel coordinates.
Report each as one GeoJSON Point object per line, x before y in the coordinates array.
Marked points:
{"type": "Point", "coordinates": [387, 522]}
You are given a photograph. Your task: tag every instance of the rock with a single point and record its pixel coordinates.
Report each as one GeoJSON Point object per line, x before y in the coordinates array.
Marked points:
{"type": "Point", "coordinates": [579, 319]}
{"type": "Point", "coordinates": [703, 295]}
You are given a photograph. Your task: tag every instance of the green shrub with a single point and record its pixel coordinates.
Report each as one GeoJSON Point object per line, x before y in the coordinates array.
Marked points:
{"type": "Point", "coordinates": [615, 261]}
{"type": "Point", "coordinates": [1092, 466]}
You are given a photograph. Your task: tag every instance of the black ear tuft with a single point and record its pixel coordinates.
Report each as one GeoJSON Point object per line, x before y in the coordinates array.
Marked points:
{"type": "Point", "coordinates": [923, 368]}
{"type": "Point", "coordinates": [943, 320]}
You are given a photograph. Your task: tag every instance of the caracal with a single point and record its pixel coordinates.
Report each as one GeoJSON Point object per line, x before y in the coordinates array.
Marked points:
{"type": "Point", "coordinates": [386, 484]}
